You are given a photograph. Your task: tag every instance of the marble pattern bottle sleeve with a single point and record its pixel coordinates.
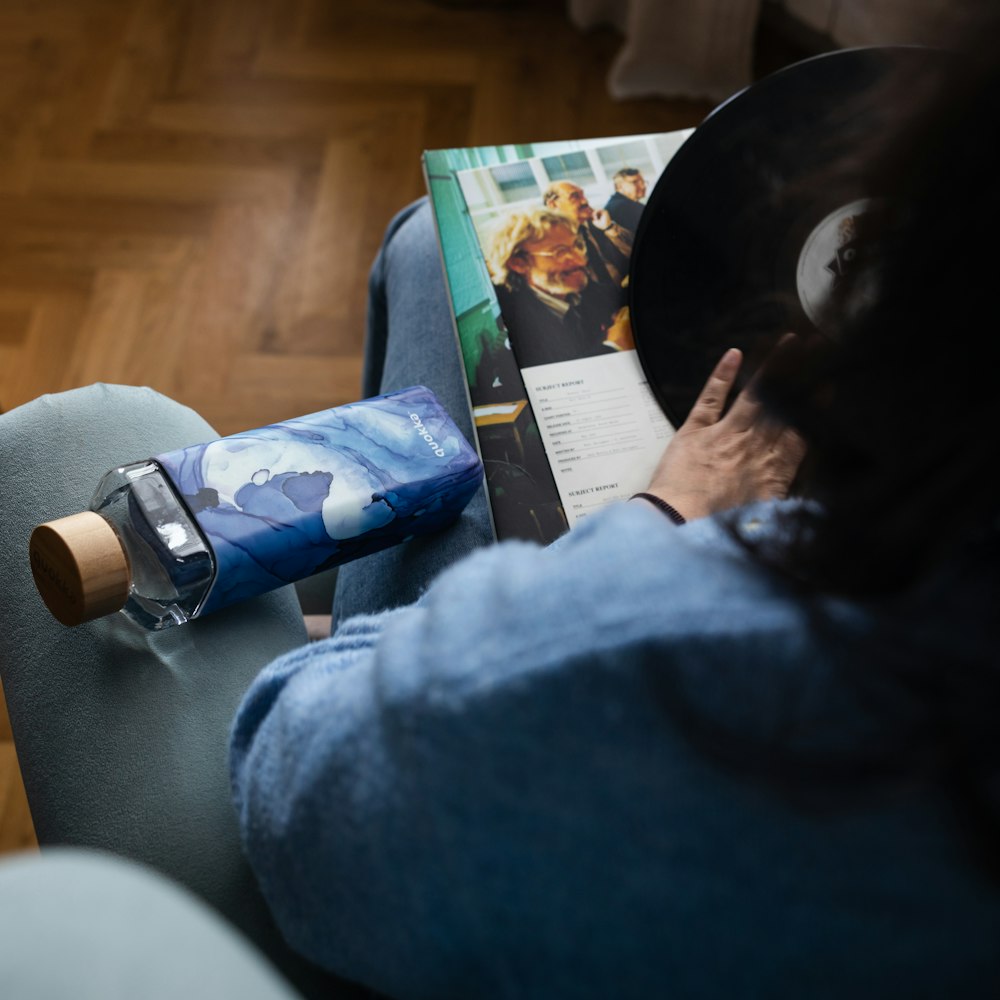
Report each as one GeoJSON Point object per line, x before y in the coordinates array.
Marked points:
{"type": "Point", "coordinates": [283, 502]}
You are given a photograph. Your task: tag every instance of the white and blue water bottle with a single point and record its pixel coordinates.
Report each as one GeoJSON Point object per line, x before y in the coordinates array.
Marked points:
{"type": "Point", "coordinates": [182, 534]}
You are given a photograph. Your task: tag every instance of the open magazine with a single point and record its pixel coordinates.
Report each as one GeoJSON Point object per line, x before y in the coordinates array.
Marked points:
{"type": "Point", "coordinates": [564, 417]}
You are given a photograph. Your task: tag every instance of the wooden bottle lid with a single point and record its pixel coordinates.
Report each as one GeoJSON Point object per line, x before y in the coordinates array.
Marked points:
{"type": "Point", "coordinates": [79, 567]}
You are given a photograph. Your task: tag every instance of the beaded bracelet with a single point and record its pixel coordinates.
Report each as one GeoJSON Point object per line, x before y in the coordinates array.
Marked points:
{"type": "Point", "coordinates": [675, 515]}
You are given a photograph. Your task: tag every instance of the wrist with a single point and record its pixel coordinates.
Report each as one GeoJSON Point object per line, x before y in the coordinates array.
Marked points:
{"type": "Point", "coordinates": [664, 506]}
{"type": "Point", "coordinates": [690, 505]}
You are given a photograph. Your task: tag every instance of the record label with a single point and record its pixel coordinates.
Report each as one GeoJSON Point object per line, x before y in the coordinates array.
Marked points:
{"type": "Point", "coordinates": [828, 255]}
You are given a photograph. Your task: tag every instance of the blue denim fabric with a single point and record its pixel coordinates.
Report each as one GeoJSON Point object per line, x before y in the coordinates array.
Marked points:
{"type": "Point", "coordinates": [407, 295]}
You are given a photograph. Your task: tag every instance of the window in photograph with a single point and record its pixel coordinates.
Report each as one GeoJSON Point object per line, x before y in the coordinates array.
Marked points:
{"type": "Point", "coordinates": [630, 154]}
{"type": "Point", "coordinates": [573, 167]}
{"type": "Point", "coordinates": [515, 182]}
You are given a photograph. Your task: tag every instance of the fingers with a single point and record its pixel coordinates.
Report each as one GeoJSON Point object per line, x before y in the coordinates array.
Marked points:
{"type": "Point", "coordinates": [711, 401]}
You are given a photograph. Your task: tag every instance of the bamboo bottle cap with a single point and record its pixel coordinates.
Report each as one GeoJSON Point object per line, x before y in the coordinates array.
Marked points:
{"type": "Point", "coordinates": [79, 567]}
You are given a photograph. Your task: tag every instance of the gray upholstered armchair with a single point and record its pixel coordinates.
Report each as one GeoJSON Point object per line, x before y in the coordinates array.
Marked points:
{"type": "Point", "coordinates": [122, 734]}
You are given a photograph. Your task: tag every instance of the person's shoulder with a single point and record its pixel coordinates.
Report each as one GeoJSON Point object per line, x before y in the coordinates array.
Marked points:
{"type": "Point", "coordinates": [626, 602]}
{"type": "Point", "coordinates": [624, 212]}
{"type": "Point", "coordinates": [694, 609]}
{"type": "Point", "coordinates": [696, 561]}
{"type": "Point", "coordinates": [625, 599]}
{"type": "Point", "coordinates": [519, 300]}
{"type": "Point", "coordinates": [623, 575]}
{"type": "Point", "coordinates": [506, 294]}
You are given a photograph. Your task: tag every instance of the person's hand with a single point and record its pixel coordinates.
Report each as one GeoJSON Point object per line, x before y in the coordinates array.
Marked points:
{"type": "Point", "coordinates": [619, 335]}
{"type": "Point", "coordinates": [601, 219]}
{"type": "Point", "coordinates": [714, 462]}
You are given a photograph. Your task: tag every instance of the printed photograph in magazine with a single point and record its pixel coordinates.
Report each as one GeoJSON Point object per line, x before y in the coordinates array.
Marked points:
{"type": "Point", "coordinates": [565, 418]}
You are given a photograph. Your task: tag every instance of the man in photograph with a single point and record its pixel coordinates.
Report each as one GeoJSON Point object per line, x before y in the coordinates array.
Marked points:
{"type": "Point", "coordinates": [609, 245]}
{"type": "Point", "coordinates": [553, 309]}
{"type": "Point", "coordinates": [625, 205]}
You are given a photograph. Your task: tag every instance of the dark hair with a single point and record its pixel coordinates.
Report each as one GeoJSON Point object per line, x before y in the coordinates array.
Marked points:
{"type": "Point", "coordinates": [626, 172]}
{"type": "Point", "coordinates": [895, 404]}
{"type": "Point", "coordinates": [903, 430]}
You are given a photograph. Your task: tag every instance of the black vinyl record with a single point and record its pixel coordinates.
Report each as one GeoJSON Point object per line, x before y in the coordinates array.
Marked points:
{"type": "Point", "coordinates": [738, 244]}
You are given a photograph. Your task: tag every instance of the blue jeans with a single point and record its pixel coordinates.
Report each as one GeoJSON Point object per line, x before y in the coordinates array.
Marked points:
{"type": "Point", "coordinates": [411, 341]}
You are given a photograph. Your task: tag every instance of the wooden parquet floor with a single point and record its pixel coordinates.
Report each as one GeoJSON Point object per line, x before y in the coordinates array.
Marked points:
{"type": "Point", "coordinates": [192, 191]}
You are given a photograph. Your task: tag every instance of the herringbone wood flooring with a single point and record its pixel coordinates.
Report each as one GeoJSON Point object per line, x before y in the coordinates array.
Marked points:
{"type": "Point", "coordinates": [191, 191]}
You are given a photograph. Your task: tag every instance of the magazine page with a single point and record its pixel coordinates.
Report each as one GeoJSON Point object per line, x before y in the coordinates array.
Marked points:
{"type": "Point", "coordinates": [602, 429]}
{"type": "Point", "coordinates": [536, 243]}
